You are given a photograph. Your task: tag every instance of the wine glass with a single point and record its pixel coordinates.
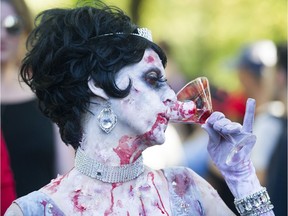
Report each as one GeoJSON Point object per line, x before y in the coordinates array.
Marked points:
{"type": "Point", "coordinates": [195, 106]}
{"type": "Point", "coordinates": [195, 94]}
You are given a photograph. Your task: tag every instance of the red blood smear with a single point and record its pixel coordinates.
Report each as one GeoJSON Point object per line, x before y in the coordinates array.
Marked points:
{"type": "Point", "coordinates": [150, 59]}
{"type": "Point", "coordinates": [110, 210]}
{"type": "Point", "coordinates": [143, 209]}
{"type": "Point", "coordinates": [164, 210]}
{"type": "Point", "coordinates": [127, 146]}
{"type": "Point", "coordinates": [75, 200]}
{"type": "Point", "coordinates": [44, 203]}
{"type": "Point", "coordinates": [150, 134]}
{"type": "Point", "coordinates": [183, 183]}
{"type": "Point", "coordinates": [131, 190]}
{"type": "Point", "coordinates": [125, 149]}
{"type": "Point", "coordinates": [53, 186]}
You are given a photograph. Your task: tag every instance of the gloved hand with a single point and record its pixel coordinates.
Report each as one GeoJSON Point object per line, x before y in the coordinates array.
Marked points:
{"type": "Point", "coordinates": [224, 135]}
{"type": "Point", "coordinates": [240, 174]}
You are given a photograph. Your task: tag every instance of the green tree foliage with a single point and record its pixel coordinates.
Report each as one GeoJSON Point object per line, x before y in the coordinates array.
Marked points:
{"type": "Point", "coordinates": [206, 35]}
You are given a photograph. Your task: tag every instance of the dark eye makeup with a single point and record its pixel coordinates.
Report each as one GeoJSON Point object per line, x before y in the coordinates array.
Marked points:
{"type": "Point", "coordinates": [155, 78]}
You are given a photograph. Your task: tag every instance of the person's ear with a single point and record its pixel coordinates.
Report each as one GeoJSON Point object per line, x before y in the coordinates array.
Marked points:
{"type": "Point", "coordinates": [97, 90]}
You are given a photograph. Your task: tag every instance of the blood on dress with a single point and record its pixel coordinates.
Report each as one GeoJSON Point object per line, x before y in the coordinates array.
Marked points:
{"type": "Point", "coordinates": [163, 210]}
{"type": "Point", "coordinates": [185, 187]}
{"type": "Point", "coordinates": [53, 185]}
{"type": "Point", "coordinates": [143, 212]}
{"type": "Point", "coordinates": [75, 199]}
{"type": "Point", "coordinates": [51, 209]}
{"type": "Point", "coordinates": [119, 204]}
{"type": "Point", "coordinates": [110, 210]}
{"type": "Point", "coordinates": [181, 184]}
{"type": "Point", "coordinates": [131, 193]}
{"type": "Point", "coordinates": [44, 203]}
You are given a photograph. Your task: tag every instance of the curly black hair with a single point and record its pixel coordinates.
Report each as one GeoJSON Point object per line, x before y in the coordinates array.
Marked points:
{"type": "Point", "coordinates": [66, 48]}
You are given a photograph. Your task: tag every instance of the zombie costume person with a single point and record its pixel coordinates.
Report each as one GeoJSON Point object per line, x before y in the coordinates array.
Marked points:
{"type": "Point", "coordinates": [102, 80]}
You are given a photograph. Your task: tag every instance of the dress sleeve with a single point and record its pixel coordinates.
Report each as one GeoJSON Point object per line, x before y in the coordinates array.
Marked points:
{"type": "Point", "coordinates": [190, 194]}
{"type": "Point", "coordinates": [38, 204]}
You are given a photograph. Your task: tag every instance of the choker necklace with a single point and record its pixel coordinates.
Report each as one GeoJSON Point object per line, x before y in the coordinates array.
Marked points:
{"type": "Point", "coordinates": [104, 173]}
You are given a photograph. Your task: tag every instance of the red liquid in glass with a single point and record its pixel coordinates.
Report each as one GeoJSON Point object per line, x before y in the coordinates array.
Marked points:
{"type": "Point", "coordinates": [204, 117]}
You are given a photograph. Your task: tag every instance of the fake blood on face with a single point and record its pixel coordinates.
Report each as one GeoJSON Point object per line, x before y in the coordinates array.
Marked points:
{"type": "Point", "coordinates": [150, 135]}
{"type": "Point", "coordinates": [128, 146]}
{"type": "Point", "coordinates": [150, 59]}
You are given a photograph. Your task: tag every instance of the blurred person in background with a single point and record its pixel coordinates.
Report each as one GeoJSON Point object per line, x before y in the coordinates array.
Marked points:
{"type": "Point", "coordinates": [255, 71]}
{"type": "Point", "coordinates": [254, 67]}
{"type": "Point", "coordinates": [30, 137]}
{"type": "Point", "coordinates": [276, 178]}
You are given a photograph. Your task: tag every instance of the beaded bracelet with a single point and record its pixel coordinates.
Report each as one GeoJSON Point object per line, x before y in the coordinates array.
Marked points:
{"type": "Point", "coordinates": [254, 204]}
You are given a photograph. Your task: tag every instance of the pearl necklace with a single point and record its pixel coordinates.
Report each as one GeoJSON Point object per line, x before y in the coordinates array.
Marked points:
{"type": "Point", "coordinates": [104, 173]}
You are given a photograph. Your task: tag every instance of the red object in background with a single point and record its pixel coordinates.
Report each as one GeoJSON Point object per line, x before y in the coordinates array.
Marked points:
{"type": "Point", "coordinates": [232, 104]}
{"type": "Point", "coordinates": [8, 193]}
{"type": "Point", "coordinates": [236, 106]}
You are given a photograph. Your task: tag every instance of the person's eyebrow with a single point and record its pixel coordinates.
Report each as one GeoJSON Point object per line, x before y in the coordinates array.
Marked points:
{"type": "Point", "coordinates": [153, 68]}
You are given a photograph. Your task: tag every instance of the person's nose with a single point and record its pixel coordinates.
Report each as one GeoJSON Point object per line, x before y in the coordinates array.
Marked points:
{"type": "Point", "coordinates": [169, 96]}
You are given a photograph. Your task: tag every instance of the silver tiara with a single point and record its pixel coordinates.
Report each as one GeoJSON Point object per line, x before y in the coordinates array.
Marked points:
{"type": "Point", "coordinates": [142, 32]}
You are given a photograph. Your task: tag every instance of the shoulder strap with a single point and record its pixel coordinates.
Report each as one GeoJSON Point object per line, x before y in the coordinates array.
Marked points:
{"type": "Point", "coordinates": [36, 204]}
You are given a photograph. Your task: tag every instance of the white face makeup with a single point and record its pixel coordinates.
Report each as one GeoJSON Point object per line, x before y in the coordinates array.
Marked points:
{"type": "Point", "coordinates": [9, 42]}
{"type": "Point", "coordinates": [143, 111]}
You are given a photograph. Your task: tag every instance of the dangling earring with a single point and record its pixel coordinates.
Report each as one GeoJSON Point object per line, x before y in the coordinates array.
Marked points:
{"type": "Point", "coordinates": [107, 119]}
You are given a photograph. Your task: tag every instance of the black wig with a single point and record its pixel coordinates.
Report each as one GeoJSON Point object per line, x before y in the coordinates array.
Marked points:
{"type": "Point", "coordinates": [66, 48]}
